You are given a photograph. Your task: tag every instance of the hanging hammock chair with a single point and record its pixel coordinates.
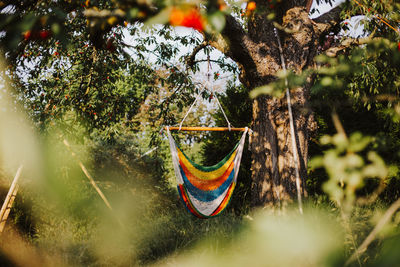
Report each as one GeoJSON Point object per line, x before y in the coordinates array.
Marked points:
{"type": "Point", "coordinates": [206, 191]}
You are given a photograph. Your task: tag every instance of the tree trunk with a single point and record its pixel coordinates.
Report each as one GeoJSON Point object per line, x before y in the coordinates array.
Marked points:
{"type": "Point", "coordinates": [273, 169]}
{"type": "Point", "coordinates": [273, 166]}
{"type": "Point", "coordinates": [257, 53]}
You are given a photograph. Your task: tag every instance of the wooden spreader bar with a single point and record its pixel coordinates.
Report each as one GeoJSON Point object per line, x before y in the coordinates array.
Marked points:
{"type": "Point", "coordinates": [215, 129]}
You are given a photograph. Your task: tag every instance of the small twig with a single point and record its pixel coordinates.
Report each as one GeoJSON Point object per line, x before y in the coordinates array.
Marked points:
{"type": "Point", "coordinates": [148, 152]}
{"type": "Point", "coordinates": [338, 125]}
{"type": "Point", "coordinates": [339, 128]}
{"type": "Point", "coordinates": [94, 55]}
{"type": "Point", "coordinates": [383, 97]}
{"type": "Point", "coordinates": [385, 218]}
{"type": "Point", "coordinates": [206, 60]}
{"type": "Point", "coordinates": [373, 196]}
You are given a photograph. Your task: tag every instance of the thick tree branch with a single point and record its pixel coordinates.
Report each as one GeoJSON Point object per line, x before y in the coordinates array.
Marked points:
{"type": "Point", "coordinates": [284, 6]}
{"type": "Point", "coordinates": [329, 19]}
{"type": "Point", "coordinates": [308, 5]}
{"type": "Point", "coordinates": [232, 41]}
{"type": "Point", "coordinates": [331, 16]}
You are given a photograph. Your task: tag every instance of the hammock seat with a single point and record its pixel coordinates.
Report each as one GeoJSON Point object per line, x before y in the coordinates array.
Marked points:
{"type": "Point", "coordinates": [206, 191]}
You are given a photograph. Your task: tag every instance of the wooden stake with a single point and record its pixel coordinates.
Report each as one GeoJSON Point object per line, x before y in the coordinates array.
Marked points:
{"type": "Point", "coordinates": [92, 182]}
{"type": "Point", "coordinates": [12, 192]}
{"type": "Point", "coordinates": [8, 209]}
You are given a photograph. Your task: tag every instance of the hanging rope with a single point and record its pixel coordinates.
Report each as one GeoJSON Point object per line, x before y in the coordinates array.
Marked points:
{"type": "Point", "coordinates": [212, 93]}
{"type": "Point", "coordinates": [223, 113]}
{"type": "Point", "coordinates": [194, 102]}
{"type": "Point", "coordinates": [190, 109]}
{"type": "Point", "coordinates": [291, 123]}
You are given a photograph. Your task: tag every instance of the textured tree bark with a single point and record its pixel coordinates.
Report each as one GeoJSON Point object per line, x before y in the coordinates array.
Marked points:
{"type": "Point", "coordinates": [273, 169]}
{"type": "Point", "coordinates": [257, 55]}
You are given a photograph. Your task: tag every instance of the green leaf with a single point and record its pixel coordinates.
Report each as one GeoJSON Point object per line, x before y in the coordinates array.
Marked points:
{"type": "Point", "coordinates": [269, 89]}
{"type": "Point", "coordinates": [217, 21]}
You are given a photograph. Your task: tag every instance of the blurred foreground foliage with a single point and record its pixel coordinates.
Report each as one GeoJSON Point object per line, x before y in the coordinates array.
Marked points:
{"type": "Point", "coordinates": [59, 219]}
{"type": "Point", "coordinates": [78, 81]}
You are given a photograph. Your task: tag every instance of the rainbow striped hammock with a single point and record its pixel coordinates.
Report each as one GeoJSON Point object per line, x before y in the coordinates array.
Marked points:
{"type": "Point", "coordinates": [206, 191]}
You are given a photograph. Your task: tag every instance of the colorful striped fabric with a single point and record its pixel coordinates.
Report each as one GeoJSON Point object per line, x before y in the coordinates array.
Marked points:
{"type": "Point", "coordinates": [206, 191]}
